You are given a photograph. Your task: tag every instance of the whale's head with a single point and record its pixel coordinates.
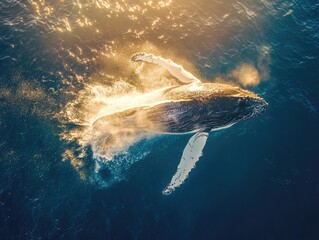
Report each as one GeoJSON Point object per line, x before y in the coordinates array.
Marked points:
{"type": "Point", "coordinates": [213, 105]}
{"type": "Point", "coordinates": [231, 104]}
{"type": "Point", "coordinates": [256, 105]}
{"type": "Point", "coordinates": [247, 104]}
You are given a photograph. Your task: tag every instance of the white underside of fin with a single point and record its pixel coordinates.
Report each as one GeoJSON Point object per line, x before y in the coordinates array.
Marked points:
{"type": "Point", "coordinates": [191, 154]}
{"type": "Point", "coordinates": [176, 70]}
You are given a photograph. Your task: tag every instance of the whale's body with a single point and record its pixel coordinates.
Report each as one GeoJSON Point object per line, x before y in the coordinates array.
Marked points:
{"type": "Point", "coordinates": [209, 106]}
{"type": "Point", "coordinates": [191, 107]}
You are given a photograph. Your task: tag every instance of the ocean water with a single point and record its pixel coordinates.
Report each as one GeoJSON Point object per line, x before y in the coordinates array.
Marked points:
{"type": "Point", "coordinates": [64, 64]}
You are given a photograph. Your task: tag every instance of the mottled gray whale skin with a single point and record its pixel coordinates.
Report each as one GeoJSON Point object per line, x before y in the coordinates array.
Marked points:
{"type": "Point", "coordinates": [208, 106]}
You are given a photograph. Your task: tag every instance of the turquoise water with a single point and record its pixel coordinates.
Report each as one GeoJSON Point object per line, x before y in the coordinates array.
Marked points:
{"type": "Point", "coordinates": [60, 60]}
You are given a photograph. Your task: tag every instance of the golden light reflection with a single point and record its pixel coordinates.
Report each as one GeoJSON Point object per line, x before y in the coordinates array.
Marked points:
{"type": "Point", "coordinates": [120, 86]}
{"type": "Point", "coordinates": [60, 21]}
{"type": "Point", "coordinates": [99, 36]}
{"type": "Point", "coordinates": [29, 97]}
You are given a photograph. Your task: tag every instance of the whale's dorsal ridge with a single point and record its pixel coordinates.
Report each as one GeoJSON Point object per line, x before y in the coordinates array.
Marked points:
{"type": "Point", "coordinates": [175, 69]}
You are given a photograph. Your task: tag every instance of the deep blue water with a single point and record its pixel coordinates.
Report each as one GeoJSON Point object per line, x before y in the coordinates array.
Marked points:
{"type": "Point", "coordinates": [256, 180]}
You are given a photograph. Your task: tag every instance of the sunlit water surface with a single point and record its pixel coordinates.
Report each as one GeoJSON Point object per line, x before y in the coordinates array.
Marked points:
{"type": "Point", "coordinates": [65, 64]}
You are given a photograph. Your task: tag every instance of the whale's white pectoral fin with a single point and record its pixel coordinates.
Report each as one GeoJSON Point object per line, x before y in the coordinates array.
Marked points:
{"type": "Point", "coordinates": [176, 70]}
{"type": "Point", "coordinates": [191, 154]}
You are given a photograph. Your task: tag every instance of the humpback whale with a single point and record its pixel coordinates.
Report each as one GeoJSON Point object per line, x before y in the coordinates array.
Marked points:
{"type": "Point", "coordinates": [192, 106]}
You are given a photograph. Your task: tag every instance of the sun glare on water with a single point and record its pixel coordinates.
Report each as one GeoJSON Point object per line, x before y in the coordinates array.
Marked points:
{"type": "Point", "coordinates": [93, 41]}
{"type": "Point", "coordinates": [93, 111]}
